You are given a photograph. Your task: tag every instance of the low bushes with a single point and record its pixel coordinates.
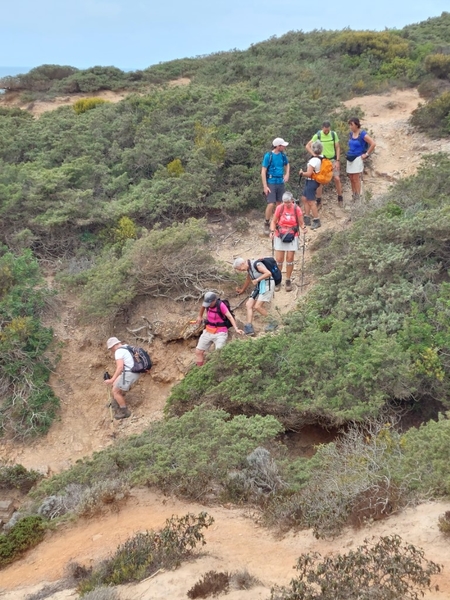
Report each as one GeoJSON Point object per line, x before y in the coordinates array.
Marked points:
{"type": "Point", "coordinates": [386, 570]}
{"type": "Point", "coordinates": [144, 554]}
{"type": "Point", "coordinates": [22, 536]}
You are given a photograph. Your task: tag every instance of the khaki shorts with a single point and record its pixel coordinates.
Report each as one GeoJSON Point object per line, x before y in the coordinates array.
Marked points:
{"type": "Point", "coordinates": [206, 339]}
{"type": "Point", "coordinates": [126, 380]}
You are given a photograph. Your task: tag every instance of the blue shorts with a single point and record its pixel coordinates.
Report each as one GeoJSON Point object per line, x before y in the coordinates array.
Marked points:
{"type": "Point", "coordinates": [276, 192]}
{"type": "Point", "coordinates": [309, 191]}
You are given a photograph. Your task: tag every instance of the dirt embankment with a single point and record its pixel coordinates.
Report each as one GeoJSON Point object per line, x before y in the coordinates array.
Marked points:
{"type": "Point", "coordinates": [235, 542]}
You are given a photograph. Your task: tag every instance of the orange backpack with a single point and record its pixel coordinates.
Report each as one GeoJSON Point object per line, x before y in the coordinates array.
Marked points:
{"type": "Point", "coordinates": [325, 175]}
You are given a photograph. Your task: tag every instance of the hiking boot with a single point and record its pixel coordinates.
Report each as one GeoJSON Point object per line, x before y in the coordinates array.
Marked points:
{"type": "Point", "coordinates": [316, 224]}
{"type": "Point", "coordinates": [266, 227]}
{"type": "Point", "coordinates": [271, 326]}
{"type": "Point", "coordinates": [248, 329]}
{"type": "Point", "coordinates": [278, 287]}
{"type": "Point", "coordinates": [288, 285]}
{"type": "Point", "coordinates": [122, 413]}
{"type": "Point", "coordinates": [340, 201]}
{"type": "Point", "coordinates": [307, 219]}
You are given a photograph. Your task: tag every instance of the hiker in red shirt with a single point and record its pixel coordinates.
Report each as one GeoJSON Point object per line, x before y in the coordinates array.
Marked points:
{"type": "Point", "coordinates": [284, 231]}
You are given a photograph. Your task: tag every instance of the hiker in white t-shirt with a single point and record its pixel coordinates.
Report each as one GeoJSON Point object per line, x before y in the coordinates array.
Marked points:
{"type": "Point", "coordinates": [309, 199]}
{"type": "Point", "coordinates": [123, 378]}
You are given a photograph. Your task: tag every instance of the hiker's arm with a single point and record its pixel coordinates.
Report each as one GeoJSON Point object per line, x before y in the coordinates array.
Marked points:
{"type": "Point", "coordinates": [287, 171]}
{"type": "Point", "coordinates": [117, 373]}
{"type": "Point", "coordinates": [200, 314]}
{"type": "Point", "coordinates": [338, 155]}
{"type": "Point", "coordinates": [245, 286]}
{"type": "Point", "coordinates": [233, 322]}
{"type": "Point", "coordinates": [309, 171]}
{"type": "Point", "coordinates": [266, 189]}
{"type": "Point", "coordinates": [371, 147]}
{"type": "Point", "coordinates": [265, 273]}
{"type": "Point", "coordinates": [273, 224]}
{"type": "Point", "coordinates": [308, 147]}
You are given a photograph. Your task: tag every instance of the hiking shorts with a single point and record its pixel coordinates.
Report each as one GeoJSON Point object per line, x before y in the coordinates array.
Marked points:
{"type": "Point", "coordinates": [276, 192]}
{"type": "Point", "coordinates": [283, 247]}
{"type": "Point", "coordinates": [126, 380]}
{"type": "Point", "coordinates": [356, 166]}
{"type": "Point", "coordinates": [309, 191]}
{"type": "Point", "coordinates": [269, 290]}
{"type": "Point", "coordinates": [206, 339]}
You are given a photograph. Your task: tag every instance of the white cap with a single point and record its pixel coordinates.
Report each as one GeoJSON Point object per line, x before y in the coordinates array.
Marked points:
{"type": "Point", "coordinates": [279, 142]}
{"type": "Point", "coordinates": [112, 342]}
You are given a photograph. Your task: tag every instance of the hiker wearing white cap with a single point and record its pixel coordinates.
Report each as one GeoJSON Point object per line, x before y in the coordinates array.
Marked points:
{"type": "Point", "coordinates": [123, 378]}
{"type": "Point", "coordinates": [274, 175]}
{"type": "Point", "coordinates": [216, 325]}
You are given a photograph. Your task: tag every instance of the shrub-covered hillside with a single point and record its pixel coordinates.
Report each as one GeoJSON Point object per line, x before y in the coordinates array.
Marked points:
{"type": "Point", "coordinates": [373, 332]}
{"type": "Point", "coordinates": [183, 151]}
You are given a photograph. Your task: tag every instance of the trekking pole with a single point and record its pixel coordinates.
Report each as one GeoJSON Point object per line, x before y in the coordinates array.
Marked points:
{"type": "Point", "coordinates": [303, 262]}
{"type": "Point", "coordinates": [107, 376]}
{"type": "Point", "coordinates": [299, 188]}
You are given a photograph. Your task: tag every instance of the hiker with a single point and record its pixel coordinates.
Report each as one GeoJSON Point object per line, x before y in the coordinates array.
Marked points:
{"type": "Point", "coordinates": [122, 379]}
{"type": "Point", "coordinates": [216, 330]}
{"type": "Point", "coordinates": [332, 150]}
{"type": "Point", "coordinates": [261, 277]}
{"type": "Point", "coordinates": [274, 174]}
{"type": "Point", "coordinates": [360, 147]}
{"type": "Point", "coordinates": [284, 231]}
{"type": "Point", "coordinates": [309, 191]}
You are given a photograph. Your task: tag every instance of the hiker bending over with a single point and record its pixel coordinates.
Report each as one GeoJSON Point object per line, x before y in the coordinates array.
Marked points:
{"type": "Point", "coordinates": [260, 276]}
{"type": "Point", "coordinates": [284, 230]}
{"type": "Point", "coordinates": [216, 330]}
{"type": "Point", "coordinates": [123, 379]}
{"type": "Point", "coordinates": [332, 150]}
{"type": "Point", "coordinates": [274, 174]}
{"type": "Point", "coordinates": [309, 191]}
{"type": "Point", "coordinates": [360, 147]}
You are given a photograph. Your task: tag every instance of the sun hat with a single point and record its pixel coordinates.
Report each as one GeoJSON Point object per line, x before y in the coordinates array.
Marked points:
{"type": "Point", "coordinates": [209, 298]}
{"type": "Point", "coordinates": [279, 142]}
{"type": "Point", "coordinates": [112, 342]}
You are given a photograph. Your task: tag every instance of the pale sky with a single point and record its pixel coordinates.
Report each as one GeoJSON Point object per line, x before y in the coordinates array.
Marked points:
{"type": "Point", "coordinates": [138, 33]}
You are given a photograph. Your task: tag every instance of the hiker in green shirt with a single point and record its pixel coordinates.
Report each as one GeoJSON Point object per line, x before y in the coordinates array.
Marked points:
{"type": "Point", "coordinates": [331, 150]}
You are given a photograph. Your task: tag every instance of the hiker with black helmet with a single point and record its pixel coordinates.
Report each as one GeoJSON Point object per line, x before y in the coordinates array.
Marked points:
{"type": "Point", "coordinates": [284, 231]}
{"type": "Point", "coordinates": [360, 147]}
{"type": "Point", "coordinates": [332, 150]}
{"type": "Point", "coordinates": [216, 330]}
{"type": "Point", "coordinates": [309, 191]}
{"type": "Point", "coordinates": [123, 378]}
{"type": "Point", "coordinates": [260, 276]}
{"type": "Point", "coordinates": [274, 174]}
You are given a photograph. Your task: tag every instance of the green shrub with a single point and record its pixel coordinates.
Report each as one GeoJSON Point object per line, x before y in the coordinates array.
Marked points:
{"type": "Point", "coordinates": [18, 477]}
{"type": "Point", "coordinates": [191, 456]}
{"type": "Point", "coordinates": [211, 583]}
{"type": "Point", "coordinates": [144, 554]}
{"type": "Point", "coordinates": [439, 65]}
{"type": "Point", "coordinates": [444, 523]}
{"type": "Point", "coordinates": [386, 570]}
{"type": "Point", "coordinates": [434, 117]}
{"type": "Point", "coordinates": [84, 104]}
{"type": "Point", "coordinates": [25, 534]}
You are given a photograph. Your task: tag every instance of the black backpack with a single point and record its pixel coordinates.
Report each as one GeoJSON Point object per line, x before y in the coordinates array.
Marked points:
{"type": "Point", "coordinates": [141, 359]}
{"type": "Point", "coordinates": [270, 263]}
{"type": "Point", "coordinates": [226, 321]}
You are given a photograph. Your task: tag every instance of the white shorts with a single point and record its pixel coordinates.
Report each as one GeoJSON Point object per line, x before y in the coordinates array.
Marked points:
{"type": "Point", "coordinates": [269, 290]}
{"type": "Point", "coordinates": [356, 166]}
{"type": "Point", "coordinates": [126, 380]}
{"type": "Point", "coordinates": [206, 339]}
{"type": "Point", "coordinates": [279, 245]}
